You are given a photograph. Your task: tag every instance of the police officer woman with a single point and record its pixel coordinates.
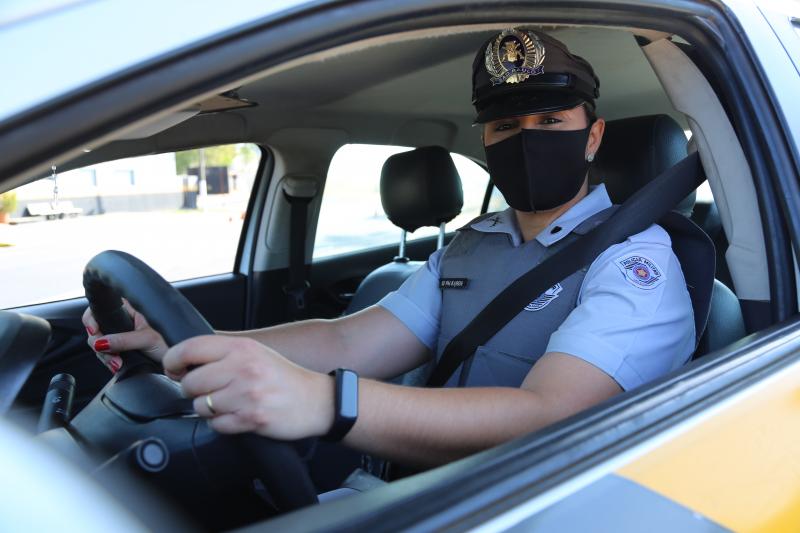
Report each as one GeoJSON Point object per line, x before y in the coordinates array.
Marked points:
{"type": "Point", "coordinates": [621, 323]}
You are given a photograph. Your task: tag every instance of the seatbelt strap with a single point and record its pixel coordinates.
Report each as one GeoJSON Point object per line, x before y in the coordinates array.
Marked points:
{"type": "Point", "coordinates": [639, 212]}
{"type": "Point", "coordinates": [298, 191]}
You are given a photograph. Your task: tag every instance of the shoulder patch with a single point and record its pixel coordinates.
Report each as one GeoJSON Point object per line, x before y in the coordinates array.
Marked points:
{"type": "Point", "coordinates": [641, 271]}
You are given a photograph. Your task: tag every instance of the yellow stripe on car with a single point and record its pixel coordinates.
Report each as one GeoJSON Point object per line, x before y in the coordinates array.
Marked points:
{"type": "Point", "coordinates": [740, 466]}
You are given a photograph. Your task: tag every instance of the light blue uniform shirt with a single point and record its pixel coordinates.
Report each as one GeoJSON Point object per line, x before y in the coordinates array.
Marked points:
{"type": "Point", "coordinates": [633, 319]}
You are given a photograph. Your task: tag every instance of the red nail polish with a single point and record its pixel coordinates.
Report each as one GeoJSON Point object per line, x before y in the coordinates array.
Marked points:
{"type": "Point", "coordinates": [114, 364]}
{"type": "Point", "coordinates": [101, 345]}
{"type": "Point", "coordinates": [90, 331]}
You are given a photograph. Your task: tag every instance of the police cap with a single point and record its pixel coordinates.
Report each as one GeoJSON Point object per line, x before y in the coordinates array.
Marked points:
{"type": "Point", "coordinates": [521, 72]}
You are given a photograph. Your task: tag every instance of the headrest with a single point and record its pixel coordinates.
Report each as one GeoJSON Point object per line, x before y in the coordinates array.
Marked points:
{"type": "Point", "coordinates": [636, 150]}
{"type": "Point", "coordinates": [421, 188]}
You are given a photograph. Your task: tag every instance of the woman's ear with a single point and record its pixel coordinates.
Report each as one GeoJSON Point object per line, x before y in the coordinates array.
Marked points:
{"type": "Point", "coordinates": [595, 138]}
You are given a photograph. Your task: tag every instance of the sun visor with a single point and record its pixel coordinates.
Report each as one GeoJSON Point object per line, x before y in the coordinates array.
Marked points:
{"type": "Point", "coordinates": [219, 102]}
{"type": "Point", "coordinates": [222, 102]}
{"type": "Point", "coordinates": [151, 128]}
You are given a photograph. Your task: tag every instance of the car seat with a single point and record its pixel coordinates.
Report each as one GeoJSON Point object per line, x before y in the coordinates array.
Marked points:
{"type": "Point", "coordinates": [418, 188]}
{"type": "Point", "coordinates": [706, 215]}
{"type": "Point", "coordinates": [635, 150]}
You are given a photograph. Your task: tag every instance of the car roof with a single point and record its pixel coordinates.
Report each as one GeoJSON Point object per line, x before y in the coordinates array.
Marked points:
{"type": "Point", "coordinates": [408, 89]}
{"type": "Point", "coordinates": [76, 43]}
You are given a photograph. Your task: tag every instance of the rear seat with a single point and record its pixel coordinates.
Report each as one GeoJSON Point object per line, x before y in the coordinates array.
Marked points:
{"type": "Point", "coordinates": [419, 188]}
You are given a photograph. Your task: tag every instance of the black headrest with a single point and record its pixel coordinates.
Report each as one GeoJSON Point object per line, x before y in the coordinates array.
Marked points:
{"type": "Point", "coordinates": [636, 150]}
{"type": "Point", "coordinates": [421, 188]}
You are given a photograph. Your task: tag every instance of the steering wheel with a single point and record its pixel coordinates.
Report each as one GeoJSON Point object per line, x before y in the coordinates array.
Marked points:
{"type": "Point", "coordinates": [112, 275]}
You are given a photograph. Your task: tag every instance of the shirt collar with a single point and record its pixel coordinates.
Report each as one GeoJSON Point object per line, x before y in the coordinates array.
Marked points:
{"type": "Point", "coordinates": [506, 222]}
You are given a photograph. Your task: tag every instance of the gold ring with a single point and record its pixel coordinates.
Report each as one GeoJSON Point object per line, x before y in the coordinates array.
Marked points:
{"type": "Point", "coordinates": [210, 405]}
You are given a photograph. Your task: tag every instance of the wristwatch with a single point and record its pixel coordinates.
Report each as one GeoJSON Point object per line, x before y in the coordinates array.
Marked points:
{"type": "Point", "coordinates": [345, 404]}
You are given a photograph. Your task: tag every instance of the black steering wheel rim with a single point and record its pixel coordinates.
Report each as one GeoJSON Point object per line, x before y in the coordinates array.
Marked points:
{"type": "Point", "coordinates": [113, 275]}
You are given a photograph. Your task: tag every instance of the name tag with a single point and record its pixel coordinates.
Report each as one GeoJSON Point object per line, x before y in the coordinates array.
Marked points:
{"type": "Point", "coordinates": [453, 283]}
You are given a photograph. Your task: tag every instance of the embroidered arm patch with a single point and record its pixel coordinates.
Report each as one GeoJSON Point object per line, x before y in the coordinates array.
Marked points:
{"type": "Point", "coordinates": [641, 271]}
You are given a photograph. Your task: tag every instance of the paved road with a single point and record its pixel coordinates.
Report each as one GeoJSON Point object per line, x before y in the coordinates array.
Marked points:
{"type": "Point", "coordinates": [46, 259]}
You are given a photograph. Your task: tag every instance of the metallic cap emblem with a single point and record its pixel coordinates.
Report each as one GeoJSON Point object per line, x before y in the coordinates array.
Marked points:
{"type": "Point", "coordinates": [514, 56]}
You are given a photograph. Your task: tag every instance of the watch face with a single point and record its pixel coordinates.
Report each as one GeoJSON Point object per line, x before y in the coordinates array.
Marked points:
{"type": "Point", "coordinates": [349, 396]}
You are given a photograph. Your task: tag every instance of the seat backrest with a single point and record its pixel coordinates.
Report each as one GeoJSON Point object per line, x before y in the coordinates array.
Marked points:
{"type": "Point", "coordinates": [636, 150]}
{"type": "Point", "coordinates": [418, 188]}
{"type": "Point", "coordinates": [697, 256]}
{"type": "Point", "coordinates": [421, 188]}
{"type": "Point", "coordinates": [725, 321]}
{"type": "Point", "coordinates": [381, 282]}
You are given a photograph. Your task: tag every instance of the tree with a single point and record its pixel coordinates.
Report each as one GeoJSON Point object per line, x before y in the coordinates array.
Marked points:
{"type": "Point", "coordinates": [216, 156]}
{"type": "Point", "coordinates": [8, 202]}
{"type": "Point", "coordinates": [247, 152]}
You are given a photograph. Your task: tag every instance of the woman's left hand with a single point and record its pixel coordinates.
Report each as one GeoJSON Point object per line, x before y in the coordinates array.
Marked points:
{"type": "Point", "coordinates": [252, 388]}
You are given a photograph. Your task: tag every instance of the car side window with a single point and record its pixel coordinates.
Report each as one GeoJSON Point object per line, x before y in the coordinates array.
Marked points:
{"type": "Point", "coordinates": [181, 213]}
{"type": "Point", "coordinates": [496, 201]}
{"type": "Point", "coordinates": [351, 217]}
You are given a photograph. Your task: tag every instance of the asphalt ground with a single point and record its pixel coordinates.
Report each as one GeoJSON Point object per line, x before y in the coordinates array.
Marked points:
{"type": "Point", "coordinates": [43, 261]}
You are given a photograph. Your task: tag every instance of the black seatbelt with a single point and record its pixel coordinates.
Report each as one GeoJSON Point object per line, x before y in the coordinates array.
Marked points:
{"type": "Point", "coordinates": [640, 211]}
{"type": "Point", "coordinates": [298, 191]}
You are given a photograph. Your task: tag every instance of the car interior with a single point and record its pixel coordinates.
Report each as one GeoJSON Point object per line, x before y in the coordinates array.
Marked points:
{"type": "Point", "coordinates": [412, 90]}
{"type": "Point", "coordinates": [371, 108]}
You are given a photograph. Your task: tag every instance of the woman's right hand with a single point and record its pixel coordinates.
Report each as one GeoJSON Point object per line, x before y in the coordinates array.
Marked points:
{"type": "Point", "coordinates": [143, 338]}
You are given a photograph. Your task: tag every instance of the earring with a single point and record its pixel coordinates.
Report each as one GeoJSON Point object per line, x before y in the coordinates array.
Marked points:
{"type": "Point", "coordinates": [590, 158]}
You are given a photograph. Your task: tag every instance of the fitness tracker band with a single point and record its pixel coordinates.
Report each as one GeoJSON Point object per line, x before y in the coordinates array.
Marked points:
{"type": "Point", "coordinates": [345, 404]}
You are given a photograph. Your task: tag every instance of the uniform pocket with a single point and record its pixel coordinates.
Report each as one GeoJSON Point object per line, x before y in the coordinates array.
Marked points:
{"type": "Point", "coordinates": [495, 368]}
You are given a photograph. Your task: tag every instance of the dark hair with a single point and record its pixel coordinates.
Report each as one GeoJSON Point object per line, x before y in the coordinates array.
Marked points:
{"type": "Point", "coordinates": [591, 115]}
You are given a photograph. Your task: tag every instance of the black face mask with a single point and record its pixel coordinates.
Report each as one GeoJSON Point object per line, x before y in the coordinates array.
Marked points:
{"type": "Point", "coordinates": [537, 170]}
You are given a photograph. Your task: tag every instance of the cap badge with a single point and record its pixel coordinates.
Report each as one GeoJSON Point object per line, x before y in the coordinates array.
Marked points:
{"type": "Point", "coordinates": [514, 56]}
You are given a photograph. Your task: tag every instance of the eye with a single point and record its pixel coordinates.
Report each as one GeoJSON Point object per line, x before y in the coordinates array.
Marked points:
{"type": "Point", "coordinates": [506, 126]}
{"type": "Point", "coordinates": [550, 120]}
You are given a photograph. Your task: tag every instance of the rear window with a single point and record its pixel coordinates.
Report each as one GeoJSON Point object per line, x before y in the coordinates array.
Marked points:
{"type": "Point", "coordinates": [351, 216]}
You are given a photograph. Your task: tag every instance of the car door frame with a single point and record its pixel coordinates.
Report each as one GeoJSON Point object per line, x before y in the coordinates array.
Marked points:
{"type": "Point", "coordinates": [487, 485]}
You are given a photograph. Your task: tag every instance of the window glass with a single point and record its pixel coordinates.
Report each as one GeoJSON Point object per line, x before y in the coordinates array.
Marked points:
{"type": "Point", "coordinates": [351, 216]}
{"type": "Point", "coordinates": [156, 207]}
{"type": "Point", "coordinates": [496, 201]}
